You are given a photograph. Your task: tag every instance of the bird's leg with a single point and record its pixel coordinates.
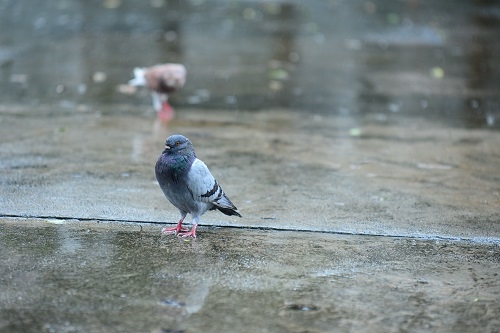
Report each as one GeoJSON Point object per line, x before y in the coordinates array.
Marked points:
{"type": "Point", "coordinates": [163, 109]}
{"type": "Point", "coordinates": [190, 233]}
{"type": "Point", "coordinates": [157, 101]}
{"type": "Point", "coordinates": [166, 113]}
{"type": "Point", "coordinates": [175, 230]}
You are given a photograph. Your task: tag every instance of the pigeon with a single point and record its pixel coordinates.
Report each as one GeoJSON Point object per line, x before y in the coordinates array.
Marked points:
{"type": "Point", "coordinates": [161, 80]}
{"type": "Point", "coordinates": [188, 184]}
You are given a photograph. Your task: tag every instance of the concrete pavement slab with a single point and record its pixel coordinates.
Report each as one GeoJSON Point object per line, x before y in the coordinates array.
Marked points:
{"type": "Point", "coordinates": [67, 276]}
{"type": "Point", "coordinates": [282, 169]}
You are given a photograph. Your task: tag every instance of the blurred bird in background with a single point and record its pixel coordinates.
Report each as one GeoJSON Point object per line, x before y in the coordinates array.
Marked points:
{"type": "Point", "coordinates": [161, 80]}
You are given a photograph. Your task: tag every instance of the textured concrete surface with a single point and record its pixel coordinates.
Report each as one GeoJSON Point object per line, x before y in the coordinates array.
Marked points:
{"type": "Point", "coordinates": [81, 248]}
{"type": "Point", "coordinates": [283, 169]}
{"type": "Point", "coordinates": [70, 276]}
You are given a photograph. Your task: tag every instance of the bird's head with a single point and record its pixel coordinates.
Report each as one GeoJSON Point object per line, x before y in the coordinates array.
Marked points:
{"type": "Point", "coordinates": [178, 144]}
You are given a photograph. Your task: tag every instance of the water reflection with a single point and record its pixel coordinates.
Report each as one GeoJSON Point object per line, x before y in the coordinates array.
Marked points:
{"type": "Point", "coordinates": [356, 57]}
{"type": "Point", "coordinates": [480, 106]}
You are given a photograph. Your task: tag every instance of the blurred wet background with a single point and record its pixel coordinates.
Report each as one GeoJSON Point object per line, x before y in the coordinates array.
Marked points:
{"type": "Point", "coordinates": [327, 122]}
{"type": "Point", "coordinates": [338, 57]}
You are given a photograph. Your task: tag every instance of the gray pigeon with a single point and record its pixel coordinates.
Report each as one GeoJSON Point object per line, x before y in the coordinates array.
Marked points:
{"type": "Point", "coordinates": [188, 184]}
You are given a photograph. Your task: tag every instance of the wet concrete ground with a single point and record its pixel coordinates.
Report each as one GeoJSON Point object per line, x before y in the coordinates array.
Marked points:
{"type": "Point", "coordinates": [359, 140]}
{"type": "Point", "coordinates": [77, 254]}
{"type": "Point", "coordinates": [95, 277]}
{"type": "Point", "coordinates": [284, 169]}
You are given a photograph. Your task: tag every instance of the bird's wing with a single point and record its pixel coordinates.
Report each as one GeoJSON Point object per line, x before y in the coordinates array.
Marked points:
{"type": "Point", "coordinates": [204, 187]}
{"type": "Point", "coordinates": [173, 76]}
{"type": "Point", "coordinates": [201, 183]}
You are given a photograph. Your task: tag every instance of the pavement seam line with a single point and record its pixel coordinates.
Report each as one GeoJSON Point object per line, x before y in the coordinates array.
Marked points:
{"type": "Point", "coordinates": [481, 240]}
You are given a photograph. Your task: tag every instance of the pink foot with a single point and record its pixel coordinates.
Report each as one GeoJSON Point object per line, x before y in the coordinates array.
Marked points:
{"type": "Point", "coordinates": [174, 230]}
{"type": "Point", "coordinates": [166, 113]}
{"type": "Point", "coordinates": [190, 233]}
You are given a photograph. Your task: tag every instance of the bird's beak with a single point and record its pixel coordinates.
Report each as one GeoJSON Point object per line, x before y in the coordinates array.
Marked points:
{"type": "Point", "coordinates": [167, 147]}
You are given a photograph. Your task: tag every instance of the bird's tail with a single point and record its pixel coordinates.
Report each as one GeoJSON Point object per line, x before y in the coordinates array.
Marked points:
{"type": "Point", "coordinates": [226, 206]}
{"type": "Point", "coordinates": [139, 79]}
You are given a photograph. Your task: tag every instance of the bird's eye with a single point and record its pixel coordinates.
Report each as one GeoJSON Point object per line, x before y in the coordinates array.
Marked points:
{"type": "Point", "coordinates": [177, 143]}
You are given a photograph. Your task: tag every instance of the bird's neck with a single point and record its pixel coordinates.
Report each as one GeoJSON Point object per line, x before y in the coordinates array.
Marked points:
{"type": "Point", "coordinates": [179, 165]}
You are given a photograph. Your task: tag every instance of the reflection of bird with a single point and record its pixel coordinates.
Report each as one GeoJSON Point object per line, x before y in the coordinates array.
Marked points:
{"type": "Point", "coordinates": [188, 184]}
{"type": "Point", "coordinates": [161, 80]}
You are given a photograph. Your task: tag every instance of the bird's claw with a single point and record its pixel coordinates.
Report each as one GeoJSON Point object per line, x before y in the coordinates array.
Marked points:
{"type": "Point", "coordinates": [175, 230]}
{"type": "Point", "coordinates": [187, 234]}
